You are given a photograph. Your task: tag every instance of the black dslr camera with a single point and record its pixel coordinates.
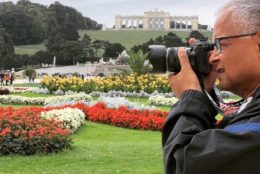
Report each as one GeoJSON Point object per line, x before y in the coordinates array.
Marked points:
{"type": "Point", "coordinates": [166, 59]}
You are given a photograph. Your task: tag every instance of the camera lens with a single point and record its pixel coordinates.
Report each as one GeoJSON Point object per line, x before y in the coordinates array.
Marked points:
{"type": "Point", "coordinates": [157, 58]}
{"type": "Point", "coordinates": [173, 62]}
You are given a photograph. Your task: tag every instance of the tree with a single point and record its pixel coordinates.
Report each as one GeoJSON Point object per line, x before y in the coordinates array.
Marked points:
{"type": "Point", "coordinates": [197, 35]}
{"type": "Point", "coordinates": [23, 28]}
{"type": "Point", "coordinates": [64, 14]}
{"type": "Point", "coordinates": [113, 50]}
{"type": "Point", "coordinates": [59, 35]}
{"type": "Point", "coordinates": [28, 72]}
{"type": "Point", "coordinates": [87, 45]}
{"type": "Point", "coordinates": [203, 27]}
{"type": "Point", "coordinates": [169, 40]}
{"type": "Point", "coordinates": [12, 61]}
{"type": "Point", "coordinates": [97, 44]}
{"type": "Point", "coordinates": [6, 6]}
{"type": "Point", "coordinates": [6, 44]}
{"type": "Point", "coordinates": [172, 40]}
{"type": "Point", "coordinates": [42, 57]}
{"type": "Point", "coordinates": [72, 52]}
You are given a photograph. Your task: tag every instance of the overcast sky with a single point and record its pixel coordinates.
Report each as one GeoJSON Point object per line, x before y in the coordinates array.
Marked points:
{"type": "Point", "coordinates": [104, 11]}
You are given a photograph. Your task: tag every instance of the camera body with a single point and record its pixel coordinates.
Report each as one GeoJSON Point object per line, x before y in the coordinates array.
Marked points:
{"type": "Point", "coordinates": [166, 59]}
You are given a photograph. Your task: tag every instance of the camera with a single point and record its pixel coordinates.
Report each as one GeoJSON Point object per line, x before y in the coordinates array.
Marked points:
{"type": "Point", "coordinates": [166, 59]}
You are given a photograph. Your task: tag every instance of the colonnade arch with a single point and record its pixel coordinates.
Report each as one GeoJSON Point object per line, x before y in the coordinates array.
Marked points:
{"type": "Point", "coordinates": [156, 20]}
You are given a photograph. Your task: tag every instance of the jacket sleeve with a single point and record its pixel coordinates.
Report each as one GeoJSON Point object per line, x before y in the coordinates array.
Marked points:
{"type": "Point", "coordinates": [192, 145]}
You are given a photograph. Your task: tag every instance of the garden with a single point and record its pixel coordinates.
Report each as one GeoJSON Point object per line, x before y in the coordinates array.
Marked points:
{"type": "Point", "coordinates": [97, 125]}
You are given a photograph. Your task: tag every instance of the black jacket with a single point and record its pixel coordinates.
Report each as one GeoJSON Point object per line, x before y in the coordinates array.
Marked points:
{"type": "Point", "coordinates": [193, 144]}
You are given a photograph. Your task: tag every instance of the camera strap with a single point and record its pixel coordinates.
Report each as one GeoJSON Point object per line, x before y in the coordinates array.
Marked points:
{"type": "Point", "coordinates": [216, 98]}
{"type": "Point", "coordinates": [215, 102]}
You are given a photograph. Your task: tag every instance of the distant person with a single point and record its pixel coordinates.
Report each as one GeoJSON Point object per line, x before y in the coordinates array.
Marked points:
{"type": "Point", "coordinates": [32, 77]}
{"type": "Point", "coordinates": [7, 77]}
{"type": "Point", "coordinates": [2, 74]}
{"type": "Point", "coordinates": [12, 76]}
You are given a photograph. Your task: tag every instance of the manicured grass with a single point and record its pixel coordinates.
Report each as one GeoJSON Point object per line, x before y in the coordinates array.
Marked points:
{"type": "Point", "coordinates": [131, 38]}
{"type": "Point", "coordinates": [29, 49]}
{"type": "Point", "coordinates": [27, 85]}
{"type": "Point", "coordinates": [126, 38]}
{"type": "Point", "coordinates": [97, 149]}
{"type": "Point", "coordinates": [144, 101]}
{"type": "Point", "coordinates": [31, 94]}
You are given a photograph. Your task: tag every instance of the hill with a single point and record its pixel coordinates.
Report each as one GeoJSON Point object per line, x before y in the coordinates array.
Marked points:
{"type": "Point", "coordinates": [131, 38]}
{"type": "Point", "coordinates": [126, 38]}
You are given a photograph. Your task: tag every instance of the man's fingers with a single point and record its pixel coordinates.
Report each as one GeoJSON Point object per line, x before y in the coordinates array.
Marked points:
{"type": "Point", "coordinates": [192, 41]}
{"type": "Point", "coordinates": [184, 60]}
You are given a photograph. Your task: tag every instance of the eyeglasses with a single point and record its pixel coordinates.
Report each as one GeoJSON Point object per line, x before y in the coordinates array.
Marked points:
{"type": "Point", "coordinates": [218, 44]}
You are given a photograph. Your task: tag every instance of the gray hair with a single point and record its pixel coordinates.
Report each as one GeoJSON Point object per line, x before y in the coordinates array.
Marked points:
{"type": "Point", "coordinates": [245, 13]}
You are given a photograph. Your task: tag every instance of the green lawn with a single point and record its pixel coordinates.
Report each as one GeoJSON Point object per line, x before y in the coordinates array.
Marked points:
{"type": "Point", "coordinates": [29, 49]}
{"type": "Point", "coordinates": [126, 38]}
{"type": "Point", "coordinates": [131, 38]}
{"type": "Point", "coordinates": [31, 94]}
{"type": "Point", "coordinates": [27, 85]}
{"type": "Point", "coordinates": [144, 101]}
{"type": "Point", "coordinates": [97, 149]}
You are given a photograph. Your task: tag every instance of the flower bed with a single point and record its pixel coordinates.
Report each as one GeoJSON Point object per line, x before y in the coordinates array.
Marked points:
{"type": "Point", "coordinates": [123, 117]}
{"type": "Point", "coordinates": [16, 89]}
{"type": "Point", "coordinates": [72, 118]}
{"type": "Point", "coordinates": [162, 101]}
{"type": "Point", "coordinates": [73, 97]}
{"type": "Point", "coordinates": [133, 82]}
{"type": "Point", "coordinates": [11, 99]}
{"type": "Point", "coordinates": [24, 132]}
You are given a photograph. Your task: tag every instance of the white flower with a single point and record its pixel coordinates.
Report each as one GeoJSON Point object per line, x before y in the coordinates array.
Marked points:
{"type": "Point", "coordinates": [158, 100]}
{"type": "Point", "coordinates": [72, 118]}
{"type": "Point", "coordinates": [73, 97]}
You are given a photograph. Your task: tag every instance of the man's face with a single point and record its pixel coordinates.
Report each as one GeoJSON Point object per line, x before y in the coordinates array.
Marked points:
{"type": "Point", "coordinates": [238, 64]}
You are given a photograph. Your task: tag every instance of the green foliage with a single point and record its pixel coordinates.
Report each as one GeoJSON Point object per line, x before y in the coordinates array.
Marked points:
{"type": "Point", "coordinates": [130, 38]}
{"type": "Point", "coordinates": [41, 57]}
{"type": "Point", "coordinates": [22, 27]}
{"type": "Point", "coordinates": [87, 46]}
{"type": "Point", "coordinates": [172, 40]}
{"type": "Point", "coordinates": [197, 35]}
{"type": "Point", "coordinates": [168, 40]}
{"type": "Point", "coordinates": [113, 50]}
{"type": "Point", "coordinates": [30, 23]}
{"type": "Point", "coordinates": [28, 72]}
{"type": "Point", "coordinates": [138, 62]}
{"type": "Point", "coordinates": [72, 52]}
{"type": "Point", "coordinates": [64, 14]}
{"type": "Point", "coordinates": [6, 43]}
{"type": "Point", "coordinates": [12, 61]}
{"type": "Point", "coordinates": [59, 40]}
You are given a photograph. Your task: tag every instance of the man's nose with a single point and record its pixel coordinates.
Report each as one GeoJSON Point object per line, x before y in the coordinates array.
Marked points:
{"type": "Point", "coordinates": [214, 57]}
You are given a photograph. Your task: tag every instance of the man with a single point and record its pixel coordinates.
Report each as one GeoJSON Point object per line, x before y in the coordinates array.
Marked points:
{"type": "Point", "coordinates": [192, 142]}
{"type": "Point", "coordinates": [12, 76]}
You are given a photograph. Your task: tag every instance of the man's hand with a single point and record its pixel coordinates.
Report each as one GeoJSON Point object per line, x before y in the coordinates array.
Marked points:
{"type": "Point", "coordinates": [210, 79]}
{"type": "Point", "coordinates": [186, 79]}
